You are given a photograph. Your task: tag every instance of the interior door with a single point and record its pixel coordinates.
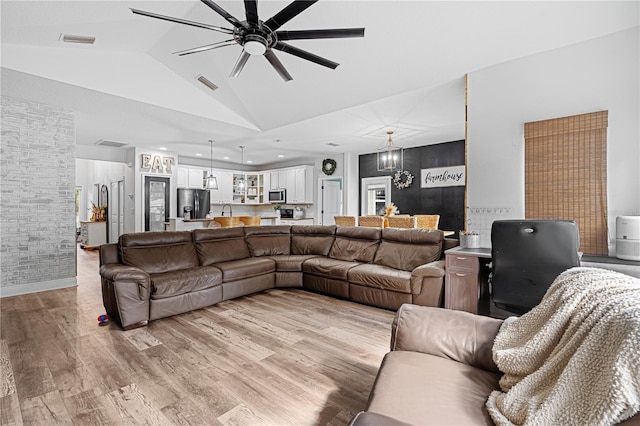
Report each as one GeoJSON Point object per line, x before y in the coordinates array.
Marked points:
{"type": "Point", "coordinates": [331, 200]}
{"type": "Point", "coordinates": [375, 194]}
{"type": "Point", "coordinates": [156, 203]}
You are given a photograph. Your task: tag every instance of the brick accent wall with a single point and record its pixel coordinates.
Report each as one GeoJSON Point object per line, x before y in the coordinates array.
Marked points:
{"type": "Point", "coordinates": [37, 197]}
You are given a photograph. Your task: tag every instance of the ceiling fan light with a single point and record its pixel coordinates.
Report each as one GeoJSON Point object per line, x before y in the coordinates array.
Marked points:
{"type": "Point", "coordinates": [254, 47]}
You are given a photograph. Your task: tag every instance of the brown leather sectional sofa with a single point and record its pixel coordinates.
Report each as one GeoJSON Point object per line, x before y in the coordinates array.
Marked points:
{"type": "Point", "coordinates": [152, 275]}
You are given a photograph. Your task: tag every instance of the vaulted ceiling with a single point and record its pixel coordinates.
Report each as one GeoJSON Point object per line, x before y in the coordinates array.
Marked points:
{"type": "Point", "coordinates": [405, 75]}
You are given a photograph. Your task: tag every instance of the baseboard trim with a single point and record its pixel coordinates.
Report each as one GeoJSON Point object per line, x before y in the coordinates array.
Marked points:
{"type": "Point", "coordinates": [18, 290]}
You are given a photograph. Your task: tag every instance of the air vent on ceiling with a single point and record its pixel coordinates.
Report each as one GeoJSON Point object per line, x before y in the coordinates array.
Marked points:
{"type": "Point", "coordinates": [68, 38]}
{"type": "Point", "coordinates": [202, 79]}
{"type": "Point", "coordinates": [111, 144]}
{"type": "Point", "coordinates": [333, 144]}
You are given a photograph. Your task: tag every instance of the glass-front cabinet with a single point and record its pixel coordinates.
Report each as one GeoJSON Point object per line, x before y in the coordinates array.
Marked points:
{"type": "Point", "coordinates": [248, 188]}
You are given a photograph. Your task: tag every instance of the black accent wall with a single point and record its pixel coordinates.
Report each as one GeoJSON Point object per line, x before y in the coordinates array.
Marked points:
{"type": "Point", "coordinates": [448, 202]}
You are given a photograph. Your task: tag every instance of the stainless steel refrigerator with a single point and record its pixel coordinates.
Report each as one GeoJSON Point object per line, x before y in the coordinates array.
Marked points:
{"type": "Point", "coordinates": [194, 203]}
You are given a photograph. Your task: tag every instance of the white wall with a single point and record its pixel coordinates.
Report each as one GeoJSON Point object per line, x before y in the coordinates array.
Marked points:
{"type": "Point", "coordinates": [600, 74]}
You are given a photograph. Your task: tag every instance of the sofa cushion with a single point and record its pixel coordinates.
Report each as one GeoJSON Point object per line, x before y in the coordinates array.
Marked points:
{"type": "Point", "coordinates": [291, 263]}
{"type": "Point", "coordinates": [246, 268]}
{"type": "Point", "coordinates": [380, 276]}
{"type": "Point", "coordinates": [406, 249]}
{"type": "Point", "coordinates": [268, 240]}
{"type": "Point", "coordinates": [175, 283]}
{"type": "Point", "coordinates": [157, 252]}
{"type": "Point", "coordinates": [328, 267]}
{"type": "Point", "coordinates": [355, 244]}
{"type": "Point", "coordinates": [215, 245]}
{"type": "Point", "coordinates": [448, 392]}
{"type": "Point", "coordinates": [312, 239]}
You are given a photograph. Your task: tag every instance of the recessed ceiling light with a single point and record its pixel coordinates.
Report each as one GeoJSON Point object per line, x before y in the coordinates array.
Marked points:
{"type": "Point", "coordinates": [225, 158]}
{"type": "Point", "coordinates": [68, 38]}
{"type": "Point", "coordinates": [280, 156]}
{"type": "Point", "coordinates": [198, 155]}
{"type": "Point", "coordinates": [249, 162]}
{"type": "Point", "coordinates": [162, 148]}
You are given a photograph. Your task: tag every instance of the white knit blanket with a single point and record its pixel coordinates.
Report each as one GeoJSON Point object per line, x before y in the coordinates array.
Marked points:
{"type": "Point", "coordinates": [575, 358]}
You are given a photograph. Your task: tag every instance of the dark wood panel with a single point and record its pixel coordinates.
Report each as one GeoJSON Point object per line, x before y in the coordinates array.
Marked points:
{"type": "Point", "coordinates": [447, 202]}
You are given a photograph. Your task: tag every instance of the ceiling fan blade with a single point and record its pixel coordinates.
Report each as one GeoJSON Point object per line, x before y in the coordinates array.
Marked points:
{"type": "Point", "coordinates": [251, 8]}
{"type": "Point", "coordinates": [242, 60]}
{"type": "Point", "coordinates": [229, 42]}
{"type": "Point", "coordinates": [182, 21]}
{"type": "Point", "coordinates": [275, 62]}
{"type": "Point", "coordinates": [313, 34]}
{"type": "Point", "coordinates": [226, 15]}
{"type": "Point", "coordinates": [288, 13]}
{"type": "Point", "coordinates": [287, 48]}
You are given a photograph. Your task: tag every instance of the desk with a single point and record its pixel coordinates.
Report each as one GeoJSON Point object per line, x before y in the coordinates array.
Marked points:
{"type": "Point", "coordinates": [466, 285]}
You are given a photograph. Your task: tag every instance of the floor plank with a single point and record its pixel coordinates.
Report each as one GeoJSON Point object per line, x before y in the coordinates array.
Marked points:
{"type": "Point", "coordinates": [279, 357]}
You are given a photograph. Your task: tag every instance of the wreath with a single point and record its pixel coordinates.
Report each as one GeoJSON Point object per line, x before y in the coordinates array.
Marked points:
{"type": "Point", "coordinates": [403, 179]}
{"type": "Point", "coordinates": [328, 166]}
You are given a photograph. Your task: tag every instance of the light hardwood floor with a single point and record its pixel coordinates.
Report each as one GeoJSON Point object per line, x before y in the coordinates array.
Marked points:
{"type": "Point", "coordinates": [281, 357]}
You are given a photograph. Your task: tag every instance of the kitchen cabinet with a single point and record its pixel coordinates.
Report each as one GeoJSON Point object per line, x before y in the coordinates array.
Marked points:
{"type": "Point", "coordinates": [195, 178]}
{"type": "Point", "coordinates": [224, 193]}
{"type": "Point", "coordinates": [183, 172]}
{"type": "Point", "coordinates": [277, 179]}
{"type": "Point", "coordinates": [191, 177]}
{"type": "Point", "coordinates": [299, 185]}
{"type": "Point", "coordinates": [93, 234]}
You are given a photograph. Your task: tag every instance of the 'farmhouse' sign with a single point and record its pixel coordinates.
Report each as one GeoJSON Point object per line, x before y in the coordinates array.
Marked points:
{"type": "Point", "coordinates": [442, 176]}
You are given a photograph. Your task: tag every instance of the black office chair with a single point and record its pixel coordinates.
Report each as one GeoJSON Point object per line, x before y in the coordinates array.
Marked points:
{"type": "Point", "coordinates": [527, 255]}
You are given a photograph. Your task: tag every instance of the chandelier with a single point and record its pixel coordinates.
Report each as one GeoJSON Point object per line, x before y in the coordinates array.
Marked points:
{"type": "Point", "coordinates": [211, 181]}
{"type": "Point", "coordinates": [390, 158]}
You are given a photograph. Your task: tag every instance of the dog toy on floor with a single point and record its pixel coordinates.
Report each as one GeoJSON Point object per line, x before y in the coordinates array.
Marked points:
{"type": "Point", "coordinates": [103, 319]}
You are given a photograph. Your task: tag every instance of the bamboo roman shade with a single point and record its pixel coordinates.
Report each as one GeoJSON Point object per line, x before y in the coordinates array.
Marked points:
{"type": "Point", "coordinates": [566, 174]}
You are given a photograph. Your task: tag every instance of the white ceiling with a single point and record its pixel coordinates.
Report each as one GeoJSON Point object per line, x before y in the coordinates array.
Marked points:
{"type": "Point", "coordinates": [406, 74]}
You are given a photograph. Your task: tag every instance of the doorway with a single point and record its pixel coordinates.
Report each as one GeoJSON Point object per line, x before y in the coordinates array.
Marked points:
{"type": "Point", "coordinates": [330, 200]}
{"type": "Point", "coordinates": [375, 194]}
{"type": "Point", "coordinates": [116, 210]}
{"type": "Point", "coordinates": [156, 202]}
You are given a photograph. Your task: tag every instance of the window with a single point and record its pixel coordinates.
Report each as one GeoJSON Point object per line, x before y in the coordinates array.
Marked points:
{"type": "Point", "coordinates": [566, 174]}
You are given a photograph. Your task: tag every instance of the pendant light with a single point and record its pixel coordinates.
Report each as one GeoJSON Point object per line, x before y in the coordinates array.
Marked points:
{"type": "Point", "coordinates": [390, 158]}
{"type": "Point", "coordinates": [242, 183]}
{"type": "Point", "coordinates": [211, 181]}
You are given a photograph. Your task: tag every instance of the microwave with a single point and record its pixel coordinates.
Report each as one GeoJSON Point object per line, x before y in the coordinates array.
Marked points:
{"type": "Point", "coordinates": [278, 196]}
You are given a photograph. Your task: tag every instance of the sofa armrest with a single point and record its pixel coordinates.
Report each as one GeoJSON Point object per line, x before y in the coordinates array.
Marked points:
{"type": "Point", "coordinates": [457, 335]}
{"type": "Point", "coordinates": [427, 284]}
{"type": "Point", "coordinates": [126, 292]}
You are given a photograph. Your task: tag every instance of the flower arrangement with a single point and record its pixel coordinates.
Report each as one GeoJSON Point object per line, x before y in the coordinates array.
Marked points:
{"type": "Point", "coordinates": [390, 210]}
{"type": "Point", "coordinates": [98, 213]}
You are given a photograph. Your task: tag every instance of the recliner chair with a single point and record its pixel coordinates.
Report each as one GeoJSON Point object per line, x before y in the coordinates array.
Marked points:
{"type": "Point", "coordinates": [527, 255]}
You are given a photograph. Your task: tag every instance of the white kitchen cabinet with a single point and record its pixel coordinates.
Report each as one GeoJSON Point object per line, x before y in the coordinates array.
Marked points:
{"type": "Point", "coordinates": [195, 178]}
{"type": "Point", "coordinates": [224, 193]}
{"type": "Point", "coordinates": [183, 179]}
{"type": "Point", "coordinates": [92, 234]}
{"type": "Point", "coordinates": [300, 185]}
{"type": "Point", "coordinates": [274, 180]}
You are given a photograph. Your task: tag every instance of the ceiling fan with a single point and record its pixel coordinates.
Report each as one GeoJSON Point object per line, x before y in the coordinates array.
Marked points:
{"type": "Point", "coordinates": [259, 37]}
